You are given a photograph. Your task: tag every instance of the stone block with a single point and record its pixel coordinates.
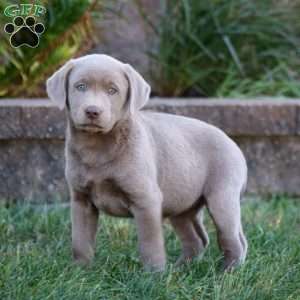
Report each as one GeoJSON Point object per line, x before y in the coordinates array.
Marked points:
{"type": "Point", "coordinates": [238, 117]}
{"type": "Point", "coordinates": [32, 170]}
{"type": "Point", "coordinates": [32, 143]}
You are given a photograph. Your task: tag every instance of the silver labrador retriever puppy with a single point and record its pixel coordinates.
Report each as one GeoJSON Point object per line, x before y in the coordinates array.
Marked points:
{"type": "Point", "coordinates": [132, 163]}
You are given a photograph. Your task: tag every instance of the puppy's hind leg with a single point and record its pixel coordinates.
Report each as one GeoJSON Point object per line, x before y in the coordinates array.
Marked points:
{"type": "Point", "coordinates": [192, 235]}
{"type": "Point", "coordinates": [224, 208]}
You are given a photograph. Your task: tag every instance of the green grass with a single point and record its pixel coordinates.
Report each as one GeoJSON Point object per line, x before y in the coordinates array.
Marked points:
{"type": "Point", "coordinates": [35, 260]}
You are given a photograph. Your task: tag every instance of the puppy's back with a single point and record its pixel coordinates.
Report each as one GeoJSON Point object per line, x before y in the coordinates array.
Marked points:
{"type": "Point", "coordinates": [195, 148]}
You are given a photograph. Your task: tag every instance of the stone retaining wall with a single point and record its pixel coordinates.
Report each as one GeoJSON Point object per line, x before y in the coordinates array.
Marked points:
{"type": "Point", "coordinates": [32, 142]}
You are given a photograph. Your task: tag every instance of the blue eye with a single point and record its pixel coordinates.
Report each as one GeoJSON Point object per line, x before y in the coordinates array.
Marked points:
{"type": "Point", "coordinates": [112, 91]}
{"type": "Point", "coordinates": [81, 87]}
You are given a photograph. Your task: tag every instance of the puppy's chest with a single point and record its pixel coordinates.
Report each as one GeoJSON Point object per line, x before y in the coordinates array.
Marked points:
{"type": "Point", "coordinates": [104, 188]}
{"type": "Point", "coordinates": [110, 198]}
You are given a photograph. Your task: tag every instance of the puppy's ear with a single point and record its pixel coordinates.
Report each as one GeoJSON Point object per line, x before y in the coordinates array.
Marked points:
{"type": "Point", "coordinates": [57, 85]}
{"type": "Point", "coordinates": [139, 89]}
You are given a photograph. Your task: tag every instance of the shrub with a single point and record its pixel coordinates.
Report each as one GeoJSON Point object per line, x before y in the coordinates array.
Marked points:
{"type": "Point", "coordinates": [68, 32]}
{"type": "Point", "coordinates": [227, 47]}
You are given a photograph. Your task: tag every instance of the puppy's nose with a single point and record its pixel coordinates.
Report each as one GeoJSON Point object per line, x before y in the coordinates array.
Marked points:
{"type": "Point", "coordinates": [93, 112]}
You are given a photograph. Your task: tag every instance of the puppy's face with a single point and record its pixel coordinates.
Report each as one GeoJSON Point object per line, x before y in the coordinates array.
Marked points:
{"type": "Point", "coordinates": [100, 91]}
{"type": "Point", "coordinates": [97, 96]}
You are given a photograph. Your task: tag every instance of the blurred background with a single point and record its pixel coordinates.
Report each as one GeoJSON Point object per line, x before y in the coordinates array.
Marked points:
{"type": "Point", "coordinates": [209, 48]}
{"type": "Point", "coordinates": [232, 63]}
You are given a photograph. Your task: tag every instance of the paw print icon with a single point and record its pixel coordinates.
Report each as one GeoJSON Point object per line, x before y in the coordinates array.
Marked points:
{"type": "Point", "coordinates": [24, 32]}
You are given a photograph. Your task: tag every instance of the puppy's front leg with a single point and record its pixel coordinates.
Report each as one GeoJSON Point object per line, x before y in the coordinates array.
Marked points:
{"type": "Point", "coordinates": [150, 236]}
{"type": "Point", "coordinates": [84, 217]}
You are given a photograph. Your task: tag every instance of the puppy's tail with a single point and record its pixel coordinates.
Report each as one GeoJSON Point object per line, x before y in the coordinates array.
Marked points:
{"type": "Point", "coordinates": [243, 190]}
{"type": "Point", "coordinates": [200, 229]}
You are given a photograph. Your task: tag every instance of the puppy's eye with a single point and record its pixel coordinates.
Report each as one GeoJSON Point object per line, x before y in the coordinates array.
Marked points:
{"type": "Point", "coordinates": [112, 91]}
{"type": "Point", "coordinates": [81, 87]}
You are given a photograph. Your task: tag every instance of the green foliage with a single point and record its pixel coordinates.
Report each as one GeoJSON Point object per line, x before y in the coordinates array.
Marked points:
{"type": "Point", "coordinates": [36, 259]}
{"type": "Point", "coordinates": [227, 47]}
{"type": "Point", "coordinates": [68, 29]}
{"type": "Point", "coordinates": [280, 81]}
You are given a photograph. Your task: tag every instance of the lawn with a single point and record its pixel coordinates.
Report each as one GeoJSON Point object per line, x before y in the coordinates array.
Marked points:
{"type": "Point", "coordinates": [36, 259]}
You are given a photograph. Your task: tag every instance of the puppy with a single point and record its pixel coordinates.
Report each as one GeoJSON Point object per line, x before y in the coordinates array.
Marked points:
{"type": "Point", "coordinates": [127, 162]}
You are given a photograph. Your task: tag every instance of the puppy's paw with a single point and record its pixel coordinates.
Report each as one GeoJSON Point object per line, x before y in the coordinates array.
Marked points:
{"type": "Point", "coordinates": [230, 265]}
{"type": "Point", "coordinates": [82, 262]}
{"type": "Point", "coordinates": [190, 254]}
{"type": "Point", "coordinates": [154, 268]}
{"type": "Point", "coordinates": [153, 261]}
{"type": "Point", "coordinates": [81, 259]}
{"type": "Point", "coordinates": [182, 260]}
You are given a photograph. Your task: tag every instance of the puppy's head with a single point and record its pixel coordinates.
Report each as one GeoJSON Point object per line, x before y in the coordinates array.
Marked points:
{"type": "Point", "coordinates": [99, 90]}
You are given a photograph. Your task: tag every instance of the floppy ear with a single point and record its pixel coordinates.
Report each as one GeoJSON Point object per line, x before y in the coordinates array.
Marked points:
{"type": "Point", "coordinates": [57, 85]}
{"type": "Point", "coordinates": [139, 89]}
